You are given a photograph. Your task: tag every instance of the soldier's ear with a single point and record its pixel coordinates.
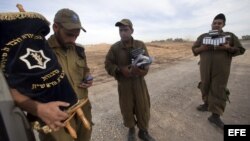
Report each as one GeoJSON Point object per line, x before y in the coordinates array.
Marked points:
{"type": "Point", "coordinates": [56, 27]}
{"type": "Point", "coordinates": [132, 29]}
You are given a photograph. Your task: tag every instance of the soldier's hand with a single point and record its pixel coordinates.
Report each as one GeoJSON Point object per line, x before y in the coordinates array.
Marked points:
{"type": "Point", "coordinates": [126, 71]}
{"type": "Point", "coordinates": [87, 82]}
{"type": "Point", "coordinates": [50, 112]}
{"type": "Point", "coordinates": [202, 48]}
{"type": "Point", "coordinates": [227, 47]}
{"type": "Point", "coordinates": [52, 115]}
{"type": "Point", "coordinates": [86, 85]}
{"type": "Point", "coordinates": [224, 47]}
{"type": "Point", "coordinates": [205, 47]}
{"type": "Point", "coordinates": [138, 71]}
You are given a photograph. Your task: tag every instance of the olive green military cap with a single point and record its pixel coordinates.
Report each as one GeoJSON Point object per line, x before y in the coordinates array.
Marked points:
{"type": "Point", "coordinates": [68, 19]}
{"type": "Point", "coordinates": [220, 16]}
{"type": "Point", "coordinates": [126, 22]}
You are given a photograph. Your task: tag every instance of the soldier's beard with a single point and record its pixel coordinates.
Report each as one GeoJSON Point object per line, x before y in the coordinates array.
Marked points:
{"type": "Point", "coordinates": [63, 44]}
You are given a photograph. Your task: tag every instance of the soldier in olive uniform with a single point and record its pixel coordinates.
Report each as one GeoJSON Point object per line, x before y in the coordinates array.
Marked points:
{"type": "Point", "coordinates": [72, 59]}
{"type": "Point", "coordinates": [133, 93]}
{"type": "Point", "coordinates": [216, 50]}
{"type": "Point", "coordinates": [37, 82]}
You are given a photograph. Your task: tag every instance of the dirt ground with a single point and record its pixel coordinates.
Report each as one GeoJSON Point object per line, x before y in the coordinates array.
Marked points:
{"type": "Point", "coordinates": [172, 83]}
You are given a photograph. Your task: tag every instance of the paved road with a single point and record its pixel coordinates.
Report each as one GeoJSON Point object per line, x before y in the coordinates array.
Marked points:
{"type": "Point", "coordinates": [174, 97]}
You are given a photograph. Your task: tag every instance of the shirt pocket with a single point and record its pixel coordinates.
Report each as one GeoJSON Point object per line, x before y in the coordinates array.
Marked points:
{"type": "Point", "coordinates": [80, 63]}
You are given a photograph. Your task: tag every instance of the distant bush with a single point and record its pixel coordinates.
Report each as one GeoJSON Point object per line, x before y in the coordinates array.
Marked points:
{"type": "Point", "coordinates": [178, 40]}
{"type": "Point", "coordinates": [169, 40]}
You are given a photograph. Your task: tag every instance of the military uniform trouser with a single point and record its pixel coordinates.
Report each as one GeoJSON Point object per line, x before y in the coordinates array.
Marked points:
{"type": "Point", "coordinates": [204, 96]}
{"type": "Point", "coordinates": [215, 70]}
{"type": "Point", "coordinates": [134, 103]}
{"type": "Point", "coordinates": [83, 134]}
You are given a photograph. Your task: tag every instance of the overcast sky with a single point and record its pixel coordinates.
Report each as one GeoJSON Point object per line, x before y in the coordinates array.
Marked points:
{"type": "Point", "coordinates": [152, 19]}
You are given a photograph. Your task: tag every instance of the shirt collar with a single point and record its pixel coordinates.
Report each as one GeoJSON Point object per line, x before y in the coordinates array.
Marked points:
{"type": "Point", "coordinates": [133, 43]}
{"type": "Point", "coordinates": [52, 41]}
